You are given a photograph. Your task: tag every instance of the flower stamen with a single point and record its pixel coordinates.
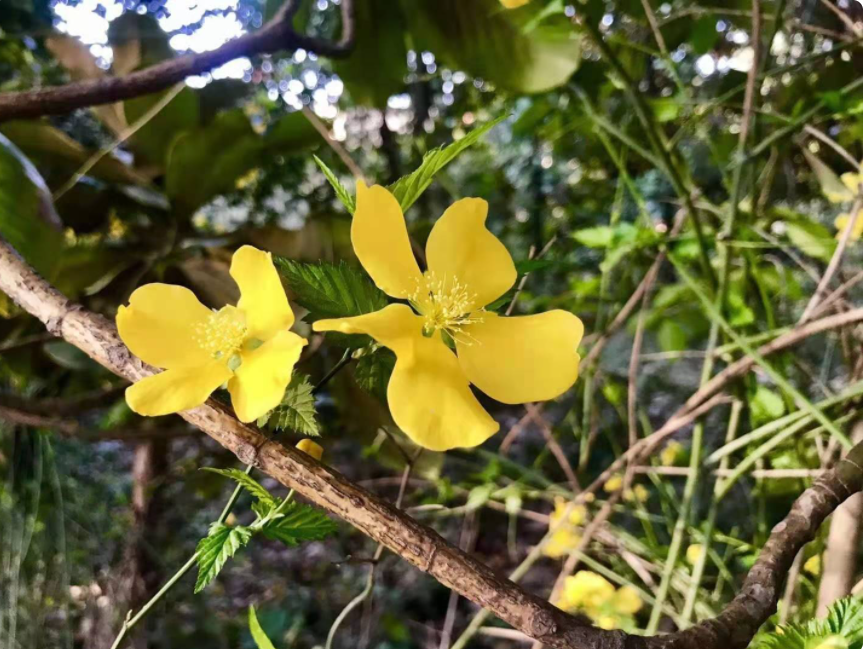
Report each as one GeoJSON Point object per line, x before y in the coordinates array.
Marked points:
{"type": "Point", "coordinates": [446, 306]}
{"type": "Point", "coordinates": [222, 333]}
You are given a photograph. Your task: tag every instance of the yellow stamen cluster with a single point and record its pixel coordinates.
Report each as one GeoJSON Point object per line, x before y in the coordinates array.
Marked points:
{"type": "Point", "coordinates": [445, 306]}
{"type": "Point", "coordinates": [222, 334]}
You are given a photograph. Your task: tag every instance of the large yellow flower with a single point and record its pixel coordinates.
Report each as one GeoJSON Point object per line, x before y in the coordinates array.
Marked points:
{"type": "Point", "coordinates": [247, 346]}
{"type": "Point", "coordinates": [513, 360]}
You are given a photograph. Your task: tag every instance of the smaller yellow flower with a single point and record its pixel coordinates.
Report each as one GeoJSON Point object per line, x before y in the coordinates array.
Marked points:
{"type": "Point", "coordinates": [627, 601]}
{"type": "Point", "coordinates": [607, 622]}
{"type": "Point", "coordinates": [576, 516]}
{"type": "Point", "coordinates": [248, 346]}
{"type": "Point", "coordinates": [813, 565]}
{"type": "Point", "coordinates": [693, 553]}
{"type": "Point", "coordinates": [310, 448]}
{"type": "Point", "coordinates": [669, 455]}
{"type": "Point", "coordinates": [586, 591]}
{"type": "Point", "coordinates": [843, 220]}
{"type": "Point", "coordinates": [638, 493]}
{"type": "Point", "coordinates": [565, 537]}
{"type": "Point", "coordinates": [561, 543]}
{"type": "Point", "coordinates": [514, 4]}
{"type": "Point", "coordinates": [613, 484]}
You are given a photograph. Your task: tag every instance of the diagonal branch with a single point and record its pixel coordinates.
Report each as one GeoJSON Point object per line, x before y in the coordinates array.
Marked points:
{"type": "Point", "coordinates": [278, 34]}
{"type": "Point", "coordinates": [418, 544]}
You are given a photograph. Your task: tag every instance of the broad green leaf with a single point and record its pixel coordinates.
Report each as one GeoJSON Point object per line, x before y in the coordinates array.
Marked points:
{"type": "Point", "coordinates": [811, 238]}
{"type": "Point", "coordinates": [409, 188]}
{"type": "Point", "coordinates": [372, 371]}
{"type": "Point", "coordinates": [290, 133]}
{"type": "Point", "coordinates": [68, 356]}
{"type": "Point", "coordinates": [27, 217]}
{"type": "Point", "coordinates": [300, 523]}
{"type": "Point", "coordinates": [297, 410]}
{"type": "Point", "coordinates": [214, 550]}
{"type": "Point", "coordinates": [153, 141]}
{"type": "Point", "coordinates": [258, 635]}
{"type": "Point", "coordinates": [377, 66]}
{"type": "Point", "coordinates": [671, 336]}
{"type": "Point", "coordinates": [207, 162]}
{"type": "Point", "coordinates": [342, 193]}
{"type": "Point", "coordinates": [331, 290]}
{"type": "Point", "coordinates": [509, 48]}
{"type": "Point", "coordinates": [247, 482]}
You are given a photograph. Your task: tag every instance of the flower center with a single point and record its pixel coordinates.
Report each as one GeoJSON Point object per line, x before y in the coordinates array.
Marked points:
{"type": "Point", "coordinates": [222, 333]}
{"type": "Point", "coordinates": [445, 306]}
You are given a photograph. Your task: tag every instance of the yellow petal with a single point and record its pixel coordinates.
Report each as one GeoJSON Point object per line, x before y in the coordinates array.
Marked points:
{"type": "Point", "coordinates": [428, 393]}
{"type": "Point", "coordinates": [311, 448]}
{"type": "Point", "coordinates": [460, 248]}
{"type": "Point", "coordinates": [176, 389]}
{"type": "Point", "coordinates": [159, 326]}
{"type": "Point", "coordinates": [259, 383]}
{"type": "Point", "coordinates": [262, 297]}
{"type": "Point", "coordinates": [522, 359]}
{"type": "Point", "coordinates": [380, 239]}
{"type": "Point", "coordinates": [514, 4]}
{"type": "Point", "coordinates": [627, 601]}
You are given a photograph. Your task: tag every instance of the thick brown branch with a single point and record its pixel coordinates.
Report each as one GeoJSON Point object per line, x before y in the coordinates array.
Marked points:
{"type": "Point", "coordinates": [276, 35]}
{"type": "Point", "coordinates": [416, 543]}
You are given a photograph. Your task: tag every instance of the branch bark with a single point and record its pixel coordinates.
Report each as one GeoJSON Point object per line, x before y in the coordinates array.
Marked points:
{"type": "Point", "coordinates": [418, 544]}
{"type": "Point", "coordinates": [278, 34]}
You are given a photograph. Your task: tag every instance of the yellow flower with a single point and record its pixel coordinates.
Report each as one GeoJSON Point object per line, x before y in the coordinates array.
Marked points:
{"type": "Point", "coordinates": [586, 591]}
{"type": "Point", "coordinates": [247, 346]}
{"type": "Point", "coordinates": [813, 565]}
{"type": "Point", "coordinates": [607, 622]}
{"type": "Point", "coordinates": [627, 601]}
{"type": "Point", "coordinates": [513, 360]}
{"type": "Point", "coordinates": [613, 484]}
{"type": "Point", "coordinates": [514, 4]}
{"type": "Point", "coordinates": [669, 454]}
{"type": "Point", "coordinates": [638, 493]}
{"type": "Point", "coordinates": [843, 220]}
{"type": "Point", "coordinates": [562, 542]}
{"type": "Point", "coordinates": [693, 553]}
{"type": "Point", "coordinates": [310, 448]}
{"type": "Point", "coordinates": [575, 517]}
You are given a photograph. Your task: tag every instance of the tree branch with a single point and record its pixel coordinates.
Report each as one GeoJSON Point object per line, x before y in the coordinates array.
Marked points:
{"type": "Point", "coordinates": [278, 34]}
{"type": "Point", "coordinates": [418, 544]}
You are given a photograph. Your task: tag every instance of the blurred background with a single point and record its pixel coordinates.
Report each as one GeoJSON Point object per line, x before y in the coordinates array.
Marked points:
{"type": "Point", "coordinates": [620, 115]}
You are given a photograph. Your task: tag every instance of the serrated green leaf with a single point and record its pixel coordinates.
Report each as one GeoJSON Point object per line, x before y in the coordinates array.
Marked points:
{"type": "Point", "coordinates": [341, 191]}
{"type": "Point", "coordinates": [372, 371]}
{"type": "Point", "coordinates": [842, 627]}
{"type": "Point", "coordinates": [258, 635]}
{"type": "Point", "coordinates": [409, 188]}
{"type": "Point", "coordinates": [216, 548]}
{"type": "Point", "coordinates": [299, 523]}
{"type": "Point", "coordinates": [332, 291]}
{"type": "Point", "coordinates": [247, 482]}
{"type": "Point", "coordinates": [297, 410]}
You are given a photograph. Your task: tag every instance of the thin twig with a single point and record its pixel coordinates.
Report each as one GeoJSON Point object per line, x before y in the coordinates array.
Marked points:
{"type": "Point", "coordinates": [337, 147]}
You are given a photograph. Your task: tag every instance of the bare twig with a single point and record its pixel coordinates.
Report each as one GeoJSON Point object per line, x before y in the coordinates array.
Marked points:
{"type": "Point", "coordinates": [337, 147]}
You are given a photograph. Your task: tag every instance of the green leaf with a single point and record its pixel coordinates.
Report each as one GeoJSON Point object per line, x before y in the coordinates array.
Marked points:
{"type": "Point", "coordinates": [291, 133]}
{"type": "Point", "coordinates": [409, 188]}
{"type": "Point", "coordinates": [332, 291]}
{"type": "Point", "coordinates": [247, 482]}
{"type": "Point", "coordinates": [299, 523]}
{"type": "Point", "coordinates": [207, 162]}
{"type": "Point", "coordinates": [341, 192]}
{"type": "Point", "coordinates": [297, 410]}
{"type": "Point", "coordinates": [811, 238]}
{"type": "Point", "coordinates": [258, 635]}
{"type": "Point", "coordinates": [153, 141]}
{"type": "Point", "coordinates": [214, 550]}
{"type": "Point", "coordinates": [372, 371]}
{"type": "Point", "coordinates": [832, 187]}
{"type": "Point", "coordinates": [671, 336]}
{"type": "Point", "coordinates": [842, 628]}
{"type": "Point", "coordinates": [600, 236]}
{"type": "Point", "coordinates": [27, 217]}
{"type": "Point", "coordinates": [766, 405]}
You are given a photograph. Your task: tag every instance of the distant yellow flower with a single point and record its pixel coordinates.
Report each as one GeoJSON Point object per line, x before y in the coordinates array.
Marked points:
{"type": "Point", "coordinates": [627, 601]}
{"type": "Point", "coordinates": [693, 553]}
{"type": "Point", "coordinates": [562, 542]}
{"type": "Point", "coordinates": [565, 537]}
{"type": "Point", "coordinates": [638, 493]}
{"type": "Point", "coordinates": [813, 565]}
{"type": "Point", "coordinates": [310, 448]}
{"type": "Point", "coordinates": [514, 4]}
{"type": "Point", "coordinates": [586, 591]}
{"type": "Point", "coordinates": [513, 360]}
{"type": "Point", "coordinates": [607, 622]}
{"type": "Point", "coordinates": [843, 220]}
{"type": "Point", "coordinates": [576, 515]}
{"type": "Point", "coordinates": [247, 346]}
{"type": "Point", "coordinates": [613, 484]}
{"type": "Point", "coordinates": [669, 455]}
